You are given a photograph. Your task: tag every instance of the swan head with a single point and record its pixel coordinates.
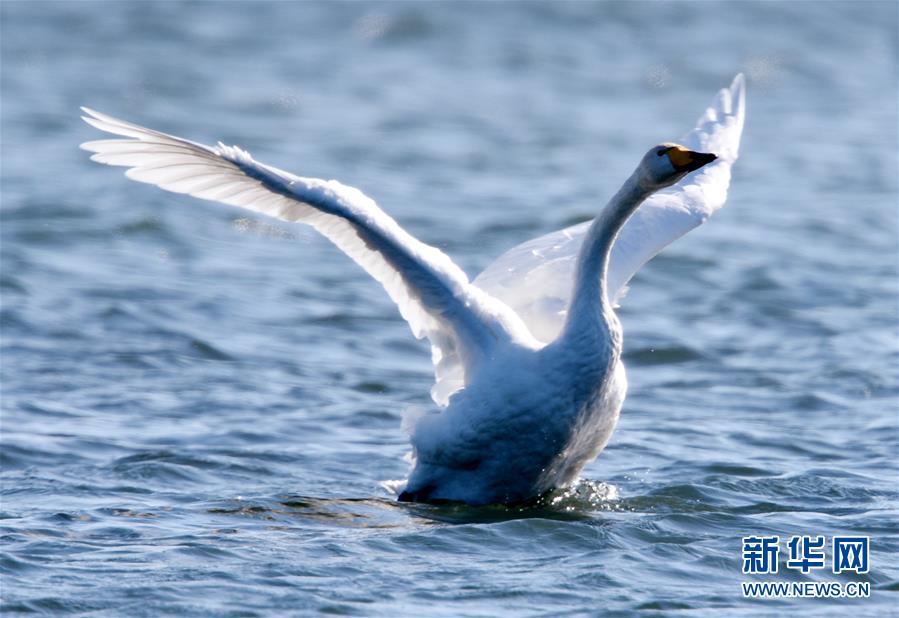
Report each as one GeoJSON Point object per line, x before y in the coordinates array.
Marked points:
{"type": "Point", "coordinates": [667, 163]}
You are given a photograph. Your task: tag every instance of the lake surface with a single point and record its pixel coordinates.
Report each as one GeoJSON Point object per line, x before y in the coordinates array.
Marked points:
{"type": "Point", "coordinates": [200, 407]}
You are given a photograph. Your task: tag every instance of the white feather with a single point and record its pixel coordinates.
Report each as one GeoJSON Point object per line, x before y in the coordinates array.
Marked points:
{"type": "Point", "coordinates": [536, 278]}
{"type": "Point", "coordinates": [432, 293]}
{"type": "Point", "coordinates": [526, 416]}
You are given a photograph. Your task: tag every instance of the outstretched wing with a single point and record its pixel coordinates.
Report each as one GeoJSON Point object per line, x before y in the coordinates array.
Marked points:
{"type": "Point", "coordinates": [432, 293]}
{"type": "Point", "coordinates": [536, 278]}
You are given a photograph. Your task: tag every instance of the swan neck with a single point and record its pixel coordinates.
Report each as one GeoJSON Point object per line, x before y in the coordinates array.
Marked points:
{"type": "Point", "coordinates": [590, 309]}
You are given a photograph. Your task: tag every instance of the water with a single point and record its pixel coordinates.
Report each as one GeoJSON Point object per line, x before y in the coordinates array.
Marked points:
{"type": "Point", "coordinates": [199, 408]}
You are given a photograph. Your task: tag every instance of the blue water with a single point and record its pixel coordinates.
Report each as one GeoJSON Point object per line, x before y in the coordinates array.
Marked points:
{"type": "Point", "coordinates": [199, 407]}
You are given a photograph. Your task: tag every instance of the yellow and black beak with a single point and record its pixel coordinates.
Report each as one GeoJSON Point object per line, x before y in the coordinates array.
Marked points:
{"type": "Point", "coordinates": [685, 160]}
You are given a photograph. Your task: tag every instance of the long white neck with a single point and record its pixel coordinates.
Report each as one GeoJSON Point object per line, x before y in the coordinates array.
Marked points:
{"type": "Point", "coordinates": [591, 310]}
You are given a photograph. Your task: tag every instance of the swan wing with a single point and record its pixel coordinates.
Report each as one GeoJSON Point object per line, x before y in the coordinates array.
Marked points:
{"type": "Point", "coordinates": [433, 294]}
{"type": "Point", "coordinates": [536, 278]}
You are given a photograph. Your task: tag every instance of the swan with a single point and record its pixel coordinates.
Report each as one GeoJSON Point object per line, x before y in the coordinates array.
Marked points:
{"type": "Point", "coordinates": [527, 357]}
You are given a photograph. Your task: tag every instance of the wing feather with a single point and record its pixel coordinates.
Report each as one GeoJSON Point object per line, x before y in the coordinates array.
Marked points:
{"type": "Point", "coordinates": [432, 293]}
{"type": "Point", "coordinates": [536, 278]}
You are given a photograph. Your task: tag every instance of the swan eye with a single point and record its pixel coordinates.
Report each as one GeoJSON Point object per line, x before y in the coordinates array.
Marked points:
{"type": "Point", "coordinates": [662, 151]}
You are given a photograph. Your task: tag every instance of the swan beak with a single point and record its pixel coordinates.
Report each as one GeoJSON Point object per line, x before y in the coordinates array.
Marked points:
{"type": "Point", "coordinates": [685, 160]}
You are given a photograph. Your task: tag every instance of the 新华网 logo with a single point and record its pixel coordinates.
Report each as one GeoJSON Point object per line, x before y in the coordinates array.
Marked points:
{"type": "Point", "coordinates": [806, 553]}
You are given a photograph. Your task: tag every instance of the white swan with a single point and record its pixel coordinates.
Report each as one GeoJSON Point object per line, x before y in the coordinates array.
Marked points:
{"type": "Point", "coordinates": [527, 358]}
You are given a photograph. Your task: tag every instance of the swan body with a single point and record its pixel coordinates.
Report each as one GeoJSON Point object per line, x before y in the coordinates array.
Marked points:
{"type": "Point", "coordinates": [527, 358]}
{"type": "Point", "coordinates": [533, 417]}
